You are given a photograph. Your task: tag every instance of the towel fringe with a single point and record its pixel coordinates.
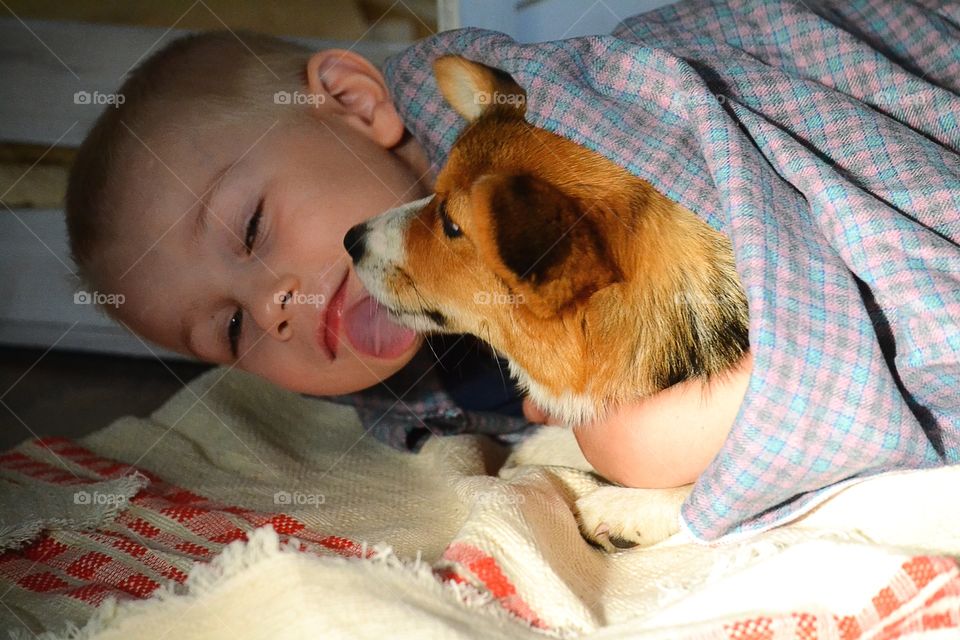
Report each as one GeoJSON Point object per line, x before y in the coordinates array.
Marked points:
{"type": "Point", "coordinates": [265, 544]}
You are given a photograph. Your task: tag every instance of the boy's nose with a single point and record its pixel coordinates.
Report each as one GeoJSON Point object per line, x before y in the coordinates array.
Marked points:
{"type": "Point", "coordinates": [355, 242]}
{"type": "Point", "coordinates": [274, 314]}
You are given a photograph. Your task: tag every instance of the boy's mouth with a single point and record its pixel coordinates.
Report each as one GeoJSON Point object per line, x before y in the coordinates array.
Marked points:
{"type": "Point", "coordinates": [328, 334]}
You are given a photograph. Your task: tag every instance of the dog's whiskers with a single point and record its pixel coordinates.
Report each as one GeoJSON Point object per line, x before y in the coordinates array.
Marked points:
{"type": "Point", "coordinates": [485, 327]}
{"type": "Point", "coordinates": [422, 309]}
{"type": "Point", "coordinates": [433, 351]}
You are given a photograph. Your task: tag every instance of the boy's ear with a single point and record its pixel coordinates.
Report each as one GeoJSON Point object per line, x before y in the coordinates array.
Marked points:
{"type": "Point", "coordinates": [473, 89]}
{"type": "Point", "coordinates": [540, 242]}
{"type": "Point", "coordinates": [358, 93]}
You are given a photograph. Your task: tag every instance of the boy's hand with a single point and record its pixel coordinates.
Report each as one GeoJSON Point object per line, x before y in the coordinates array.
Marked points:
{"type": "Point", "coordinates": [535, 414]}
{"type": "Point", "coordinates": [666, 440]}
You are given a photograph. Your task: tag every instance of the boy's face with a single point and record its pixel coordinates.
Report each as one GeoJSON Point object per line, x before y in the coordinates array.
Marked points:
{"type": "Point", "coordinates": [258, 273]}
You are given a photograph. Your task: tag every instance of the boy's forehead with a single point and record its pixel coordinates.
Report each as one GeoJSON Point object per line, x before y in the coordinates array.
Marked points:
{"type": "Point", "coordinates": [165, 176]}
{"type": "Point", "coordinates": [163, 179]}
{"type": "Point", "coordinates": [155, 196]}
{"type": "Point", "coordinates": [154, 265]}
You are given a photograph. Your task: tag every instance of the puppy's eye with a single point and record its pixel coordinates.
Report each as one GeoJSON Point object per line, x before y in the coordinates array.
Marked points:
{"type": "Point", "coordinates": [450, 228]}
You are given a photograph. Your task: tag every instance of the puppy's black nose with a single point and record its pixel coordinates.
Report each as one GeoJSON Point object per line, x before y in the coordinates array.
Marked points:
{"type": "Point", "coordinates": [355, 242]}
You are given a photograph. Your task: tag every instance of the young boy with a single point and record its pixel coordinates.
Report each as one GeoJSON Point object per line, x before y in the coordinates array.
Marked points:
{"type": "Point", "coordinates": [215, 199]}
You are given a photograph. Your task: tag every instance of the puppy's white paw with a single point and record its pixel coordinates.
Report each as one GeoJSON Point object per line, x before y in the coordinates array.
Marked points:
{"type": "Point", "coordinates": [619, 518]}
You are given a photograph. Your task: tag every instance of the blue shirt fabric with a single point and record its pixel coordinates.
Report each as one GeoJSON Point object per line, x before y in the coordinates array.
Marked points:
{"type": "Point", "coordinates": [454, 385]}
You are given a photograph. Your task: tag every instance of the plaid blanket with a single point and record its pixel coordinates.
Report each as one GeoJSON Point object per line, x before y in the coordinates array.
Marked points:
{"type": "Point", "coordinates": [823, 138]}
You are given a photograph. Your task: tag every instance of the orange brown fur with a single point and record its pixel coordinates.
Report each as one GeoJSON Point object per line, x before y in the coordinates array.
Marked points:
{"type": "Point", "coordinates": [596, 287]}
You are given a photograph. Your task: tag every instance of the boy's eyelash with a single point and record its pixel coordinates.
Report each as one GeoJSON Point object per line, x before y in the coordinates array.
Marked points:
{"type": "Point", "coordinates": [253, 226]}
{"type": "Point", "coordinates": [234, 329]}
{"type": "Point", "coordinates": [235, 324]}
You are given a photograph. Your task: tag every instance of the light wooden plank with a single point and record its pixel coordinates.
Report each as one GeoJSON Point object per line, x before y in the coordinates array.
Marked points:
{"type": "Point", "coordinates": [44, 64]}
{"type": "Point", "coordinates": [37, 304]}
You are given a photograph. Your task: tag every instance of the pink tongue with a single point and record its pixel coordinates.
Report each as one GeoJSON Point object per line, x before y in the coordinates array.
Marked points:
{"type": "Point", "coordinates": [372, 332]}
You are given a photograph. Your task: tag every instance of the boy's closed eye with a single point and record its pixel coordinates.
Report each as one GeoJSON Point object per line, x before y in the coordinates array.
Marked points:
{"type": "Point", "coordinates": [234, 330]}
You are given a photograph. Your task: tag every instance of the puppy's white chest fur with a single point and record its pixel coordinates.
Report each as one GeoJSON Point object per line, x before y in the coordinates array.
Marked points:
{"type": "Point", "coordinates": [569, 408]}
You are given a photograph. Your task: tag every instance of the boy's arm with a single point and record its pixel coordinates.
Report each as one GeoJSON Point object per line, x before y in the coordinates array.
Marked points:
{"type": "Point", "coordinates": [666, 440]}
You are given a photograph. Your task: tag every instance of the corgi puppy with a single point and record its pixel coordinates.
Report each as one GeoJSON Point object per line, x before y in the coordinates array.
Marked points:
{"type": "Point", "coordinates": [596, 288]}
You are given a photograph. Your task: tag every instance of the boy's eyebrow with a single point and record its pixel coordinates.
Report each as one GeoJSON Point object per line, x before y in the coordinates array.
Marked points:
{"type": "Point", "coordinates": [200, 221]}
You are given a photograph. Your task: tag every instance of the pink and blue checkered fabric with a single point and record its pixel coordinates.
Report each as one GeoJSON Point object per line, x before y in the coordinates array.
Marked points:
{"type": "Point", "coordinates": [824, 140]}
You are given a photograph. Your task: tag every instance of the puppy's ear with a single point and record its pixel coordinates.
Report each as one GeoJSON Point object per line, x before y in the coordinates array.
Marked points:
{"type": "Point", "coordinates": [540, 242]}
{"type": "Point", "coordinates": [473, 89]}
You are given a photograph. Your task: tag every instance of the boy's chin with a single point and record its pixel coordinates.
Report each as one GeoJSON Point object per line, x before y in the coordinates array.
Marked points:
{"type": "Point", "coordinates": [368, 370]}
{"type": "Point", "coordinates": [348, 374]}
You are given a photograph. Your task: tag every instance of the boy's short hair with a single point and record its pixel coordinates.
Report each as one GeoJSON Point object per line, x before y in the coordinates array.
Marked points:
{"type": "Point", "coordinates": [199, 78]}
